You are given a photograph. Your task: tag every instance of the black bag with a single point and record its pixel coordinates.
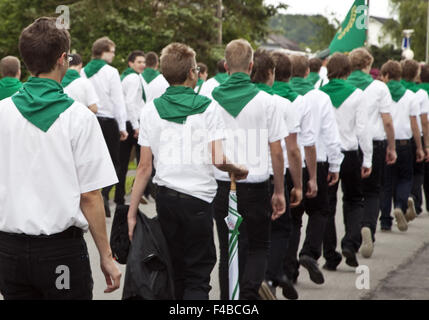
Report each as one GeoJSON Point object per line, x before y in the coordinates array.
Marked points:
{"type": "Point", "coordinates": [119, 241]}
{"type": "Point", "coordinates": [149, 272]}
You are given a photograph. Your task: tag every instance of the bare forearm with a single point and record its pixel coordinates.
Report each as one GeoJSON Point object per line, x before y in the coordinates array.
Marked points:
{"type": "Point", "coordinates": [295, 165]}
{"type": "Point", "coordinates": [416, 132]}
{"type": "Point", "coordinates": [278, 171]}
{"type": "Point", "coordinates": [143, 175]}
{"type": "Point", "coordinates": [93, 108]}
{"type": "Point", "coordinates": [390, 133]}
{"type": "Point", "coordinates": [311, 161]}
{"type": "Point", "coordinates": [92, 207]}
{"type": "Point", "coordinates": [425, 127]}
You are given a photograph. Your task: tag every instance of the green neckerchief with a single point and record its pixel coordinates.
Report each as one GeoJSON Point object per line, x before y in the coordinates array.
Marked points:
{"type": "Point", "coordinates": [410, 85]}
{"type": "Point", "coordinates": [8, 86]}
{"type": "Point", "coordinates": [284, 90]}
{"type": "Point", "coordinates": [129, 71]}
{"type": "Point", "coordinates": [264, 87]}
{"type": "Point", "coordinates": [424, 86]}
{"type": "Point", "coordinates": [397, 89]}
{"type": "Point", "coordinates": [221, 77]}
{"type": "Point", "coordinates": [93, 67]}
{"type": "Point", "coordinates": [235, 93]}
{"type": "Point", "coordinates": [360, 79]}
{"type": "Point", "coordinates": [179, 102]}
{"type": "Point", "coordinates": [70, 76]}
{"type": "Point", "coordinates": [300, 85]}
{"type": "Point", "coordinates": [149, 74]}
{"type": "Point", "coordinates": [313, 77]}
{"type": "Point", "coordinates": [41, 101]}
{"type": "Point", "coordinates": [338, 90]}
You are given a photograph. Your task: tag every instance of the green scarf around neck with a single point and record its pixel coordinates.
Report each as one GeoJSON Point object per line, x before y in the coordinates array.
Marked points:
{"type": "Point", "coordinates": [424, 86]}
{"type": "Point", "coordinates": [360, 79]}
{"type": "Point", "coordinates": [313, 77]}
{"type": "Point", "coordinates": [283, 89]}
{"type": "Point", "coordinates": [9, 86]}
{"type": "Point", "coordinates": [179, 102]}
{"type": "Point", "coordinates": [235, 93]}
{"type": "Point", "coordinates": [397, 89]}
{"type": "Point", "coordinates": [150, 74]}
{"type": "Point", "coordinates": [70, 76]}
{"type": "Point", "coordinates": [221, 77]}
{"type": "Point", "coordinates": [264, 87]}
{"type": "Point", "coordinates": [338, 90]}
{"type": "Point", "coordinates": [301, 85]}
{"type": "Point", "coordinates": [41, 101]}
{"type": "Point", "coordinates": [129, 71]}
{"type": "Point", "coordinates": [93, 67]}
{"type": "Point", "coordinates": [410, 85]}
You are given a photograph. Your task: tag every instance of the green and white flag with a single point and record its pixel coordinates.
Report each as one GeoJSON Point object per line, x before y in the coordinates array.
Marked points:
{"type": "Point", "coordinates": [233, 221]}
{"type": "Point", "coordinates": [353, 31]}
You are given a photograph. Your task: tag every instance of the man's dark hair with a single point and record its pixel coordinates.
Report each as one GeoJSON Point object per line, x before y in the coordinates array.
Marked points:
{"type": "Point", "coordinates": [283, 66]}
{"type": "Point", "coordinates": [300, 65]}
{"type": "Point", "coordinates": [393, 69]}
{"type": "Point", "coordinates": [102, 45]}
{"type": "Point", "coordinates": [315, 65]}
{"type": "Point", "coordinates": [221, 66]}
{"type": "Point", "coordinates": [262, 64]}
{"type": "Point", "coordinates": [338, 66]}
{"type": "Point", "coordinates": [424, 75]}
{"type": "Point", "coordinates": [41, 44]}
{"type": "Point", "coordinates": [203, 67]}
{"type": "Point", "coordinates": [76, 59]}
{"type": "Point", "coordinates": [133, 55]}
{"type": "Point", "coordinates": [410, 69]}
{"type": "Point", "coordinates": [151, 59]}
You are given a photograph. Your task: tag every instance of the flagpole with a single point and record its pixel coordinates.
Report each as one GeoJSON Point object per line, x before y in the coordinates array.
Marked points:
{"type": "Point", "coordinates": [367, 29]}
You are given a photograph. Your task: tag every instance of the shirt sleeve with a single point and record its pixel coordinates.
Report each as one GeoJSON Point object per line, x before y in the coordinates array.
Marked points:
{"type": "Point", "coordinates": [143, 132]}
{"type": "Point", "coordinates": [384, 99]}
{"type": "Point", "coordinates": [307, 136]}
{"type": "Point", "coordinates": [93, 163]}
{"type": "Point", "coordinates": [117, 98]}
{"type": "Point", "coordinates": [91, 95]}
{"type": "Point", "coordinates": [290, 115]}
{"type": "Point", "coordinates": [277, 129]}
{"type": "Point", "coordinates": [424, 101]}
{"type": "Point", "coordinates": [133, 98]}
{"type": "Point", "coordinates": [215, 123]}
{"type": "Point", "coordinates": [362, 131]}
{"type": "Point", "coordinates": [415, 106]}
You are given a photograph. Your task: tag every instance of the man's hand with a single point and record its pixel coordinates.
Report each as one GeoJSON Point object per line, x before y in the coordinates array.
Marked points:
{"type": "Point", "coordinates": [278, 203]}
{"type": "Point", "coordinates": [365, 172]}
{"type": "Point", "coordinates": [136, 133]}
{"type": "Point", "coordinates": [111, 273]}
{"type": "Point", "coordinates": [333, 178]}
{"type": "Point", "coordinates": [391, 156]}
{"type": "Point", "coordinates": [420, 155]}
{"type": "Point", "coordinates": [295, 197]}
{"type": "Point", "coordinates": [311, 189]}
{"type": "Point", "coordinates": [131, 224]}
{"type": "Point", "coordinates": [123, 135]}
{"type": "Point", "coordinates": [426, 154]}
{"type": "Point", "coordinates": [240, 173]}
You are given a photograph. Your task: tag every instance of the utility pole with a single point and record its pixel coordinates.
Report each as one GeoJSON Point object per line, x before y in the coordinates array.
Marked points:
{"type": "Point", "coordinates": [219, 16]}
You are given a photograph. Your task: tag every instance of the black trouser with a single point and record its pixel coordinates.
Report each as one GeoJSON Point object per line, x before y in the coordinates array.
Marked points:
{"type": "Point", "coordinates": [187, 224]}
{"type": "Point", "coordinates": [110, 130]}
{"type": "Point", "coordinates": [398, 180]}
{"type": "Point", "coordinates": [125, 149]}
{"type": "Point", "coordinates": [418, 179]}
{"type": "Point", "coordinates": [372, 187]}
{"type": "Point", "coordinates": [426, 184]}
{"type": "Point", "coordinates": [253, 204]}
{"type": "Point", "coordinates": [280, 233]}
{"type": "Point", "coordinates": [45, 268]}
{"type": "Point", "coordinates": [351, 185]}
{"type": "Point", "coordinates": [317, 209]}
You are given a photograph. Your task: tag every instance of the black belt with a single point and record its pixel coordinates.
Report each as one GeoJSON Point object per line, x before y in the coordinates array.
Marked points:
{"type": "Point", "coordinates": [379, 143]}
{"type": "Point", "coordinates": [105, 118]}
{"type": "Point", "coordinates": [174, 193]}
{"type": "Point", "coordinates": [403, 142]}
{"type": "Point", "coordinates": [258, 185]}
{"type": "Point", "coordinates": [70, 233]}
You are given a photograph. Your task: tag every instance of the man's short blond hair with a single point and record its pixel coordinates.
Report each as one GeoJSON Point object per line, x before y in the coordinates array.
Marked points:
{"type": "Point", "coordinates": [9, 66]}
{"type": "Point", "coordinates": [238, 54]}
{"type": "Point", "coordinates": [300, 65]}
{"type": "Point", "coordinates": [360, 58]}
{"type": "Point", "coordinates": [177, 59]}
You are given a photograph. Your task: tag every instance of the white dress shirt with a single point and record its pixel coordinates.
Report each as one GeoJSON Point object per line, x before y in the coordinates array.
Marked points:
{"type": "Point", "coordinates": [208, 87]}
{"type": "Point", "coordinates": [43, 174]}
{"type": "Point", "coordinates": [422, 99]}
{"type": "Point", "coordinates": [83, 91]}
{"type": "Point", "coordinates": [155, 88]}
{"type": "Point", "coordinates": [328, 144]}
{"type": "Point", "coordinates": [132, 86]}
{"type": "Point", "coordinates": [182, 159]}
{"type": "Point", "coordinates": [401, 113]}
{"type": "Point", "coordinates": [107, 84]}
{"type": "Point", "coordinates": [248, 136]}
{"type": "Point", "coordinates": [352, 121]}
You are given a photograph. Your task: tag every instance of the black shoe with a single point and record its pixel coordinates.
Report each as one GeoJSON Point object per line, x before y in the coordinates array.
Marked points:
{"type": "Point", "coordinates": [350, 256]}
{"type": "Point", "coordinates": [332, 264]}
{"type": "Point", "coordinates": [288, 290]}
{"type": "Point", "coordinates": [107, 207]}
{"type": "Point", "coordinates": [313, 269]}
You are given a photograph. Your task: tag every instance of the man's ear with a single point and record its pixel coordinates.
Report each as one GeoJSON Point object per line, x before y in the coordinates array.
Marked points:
{"type": "Point", "coordinates": [307, 72]}
{"type": "Point", "coordinates": [250, 66]}
{"type": "Point", "coordinates": [62, 60]}
{"type": "Point", "coordinates": [226, 67]}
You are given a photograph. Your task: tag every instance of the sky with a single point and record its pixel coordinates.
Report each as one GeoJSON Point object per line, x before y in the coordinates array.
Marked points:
{"type": "Point", "coordinates": [378, 8]}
